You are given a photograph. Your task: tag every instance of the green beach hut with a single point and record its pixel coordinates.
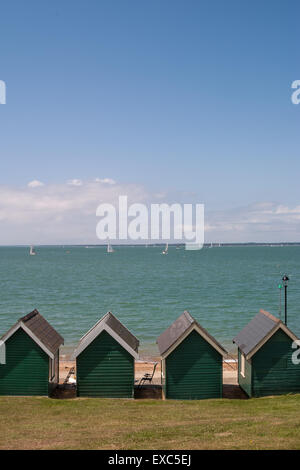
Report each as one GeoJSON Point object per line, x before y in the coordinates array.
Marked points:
{"type": "Point", "coordinates": [192, 361]}
{"type": "Point", "coordinates": [29, 357]}
{"type": "Point", "coordinates": [265, 364]}
{"type": "Point", "coordinates": [105, 360]}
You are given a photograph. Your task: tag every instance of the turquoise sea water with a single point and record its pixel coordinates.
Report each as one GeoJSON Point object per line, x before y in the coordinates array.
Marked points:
{"type": "Point", "coordinates": [223, 288]}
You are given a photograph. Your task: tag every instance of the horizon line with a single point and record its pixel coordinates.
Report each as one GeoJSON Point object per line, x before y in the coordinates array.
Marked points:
{"type": "Point", "coordinates": [142, 244]}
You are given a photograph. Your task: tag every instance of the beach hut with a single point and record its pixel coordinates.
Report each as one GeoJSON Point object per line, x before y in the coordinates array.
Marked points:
{"type": "Point", "coordinates": [265, 363]}
{"type": "Point", "coordinates": [191, 361]}
{"type": "Point", "coordinates": [29, 357]}
{"type": "Point", "coordinates": [105, 360]}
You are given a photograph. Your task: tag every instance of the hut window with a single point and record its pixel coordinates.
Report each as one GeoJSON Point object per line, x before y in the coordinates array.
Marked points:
{"type": "Point", "coordinates": [242, 365]}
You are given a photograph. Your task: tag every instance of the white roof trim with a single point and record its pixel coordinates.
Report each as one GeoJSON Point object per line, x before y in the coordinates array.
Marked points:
{"type": "Point", "coordinates": [93, 327]}
{"type": "Point", "coordinates": [192, 327]}
{"type": "Point", "coordinates": [102, 320]}
{"type": "Point", "coordinates": [32, 336]}
{"type": "Point", "coordinates": [2, 352]}
{"type": "Point", "coordinates": [95, 332]}
{"type": "Point", "coordinates": [278, 326]}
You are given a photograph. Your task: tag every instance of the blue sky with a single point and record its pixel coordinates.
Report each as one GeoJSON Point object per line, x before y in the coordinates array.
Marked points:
{"type": "Point", "coordinates": [186, 97]}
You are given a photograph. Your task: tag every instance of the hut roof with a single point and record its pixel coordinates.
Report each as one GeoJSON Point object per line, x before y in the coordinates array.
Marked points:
{"type": "Point", "coordinates": [116, 329]}
{"type": "Point", "coordinates": [177, 331]}
{"type": "Point", "coordinates": [37, 327]}
{"type": "Point", "coordinates": [258, 331]}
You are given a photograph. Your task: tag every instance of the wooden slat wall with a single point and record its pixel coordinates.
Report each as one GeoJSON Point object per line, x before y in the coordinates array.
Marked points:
{"type": "Point", "coordinates": [194, 370]}
{"type": "Point", "coordinates": [26, 369]}
{"type": "Point", "coordinates": [272, 368]}
{"type": "Point", "coordinates": [105, 369]}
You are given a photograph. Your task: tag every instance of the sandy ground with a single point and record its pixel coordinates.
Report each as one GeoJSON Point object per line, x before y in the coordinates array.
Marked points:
{"type": "Point", "coordinates": [64, 367]}
{"type": "Point", "coordinates": [141, 368]}
{"type": "Point", "coordinates": [146, 366]}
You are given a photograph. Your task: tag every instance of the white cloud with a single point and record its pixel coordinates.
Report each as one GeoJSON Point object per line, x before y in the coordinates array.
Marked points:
{"type": "Point", "coordinates": [35, 184]}
{"type": "Point", "coordinates": [105, 181]}
{"type": "Point", "coordinates": [66, 213]}
{"type": "Point", "coordinates": [58, 213]}
{"type": "Point", "coordinates": [287, 210]}
{"type": "Point", "coordinates": [74, 182]}
{"type": "Point", "coordinates": [259, 222]}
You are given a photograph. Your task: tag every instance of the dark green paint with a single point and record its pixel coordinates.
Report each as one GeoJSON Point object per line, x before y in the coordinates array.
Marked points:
{"type": "Point", "coordinates": [26, 371]}
{"type": "Point", "coordinates": [272, 371]}
{"type": "Point", "coordinates": [194, 370]}
{"type": "Point", "coordinates": [105, 369]}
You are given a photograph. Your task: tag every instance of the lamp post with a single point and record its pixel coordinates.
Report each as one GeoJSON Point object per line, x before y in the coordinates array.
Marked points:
{"type": "Point", "coordinates": [280, 286]}
{"type": "Point", "coordinates": [285, 281]}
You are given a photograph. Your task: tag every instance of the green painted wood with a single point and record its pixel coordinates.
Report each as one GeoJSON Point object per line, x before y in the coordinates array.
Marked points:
{"type": "Point", "coordinates": [26, 371]}
{"type": "Point", "coordinates": [273, 370]}
{"type": "Point", "coordinates": [105, 369]}
{"type": "Point", "coordinates": [245, 382]}
{"type": "Point", "coordinates": [194, 370]}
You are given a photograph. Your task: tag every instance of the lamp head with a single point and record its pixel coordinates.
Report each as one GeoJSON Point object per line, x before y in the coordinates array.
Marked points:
{"type": "Point", "coordinates": [285, 280]}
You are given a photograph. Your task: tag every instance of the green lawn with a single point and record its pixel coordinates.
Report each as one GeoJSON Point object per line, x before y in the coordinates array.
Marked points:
{"type": "Point", "coordinates": [43, 423]}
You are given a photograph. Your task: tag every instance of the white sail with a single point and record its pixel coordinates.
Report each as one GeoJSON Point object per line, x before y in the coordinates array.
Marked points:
{"type": "Point", "coordinates": [32, 251]}
{"type": "Point", "coordinates": [165, 251]}
{"type": "Point", "coordinates": [109, 248]}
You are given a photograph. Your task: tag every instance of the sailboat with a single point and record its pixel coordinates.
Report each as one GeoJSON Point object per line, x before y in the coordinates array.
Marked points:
{"type": "Point", "coordinates": [32, 251]}
{"type": "Point", "coordinates": [211, 245]}
{"type": "Point", "coordinates": [165, 251]}
{"type": "Point", "coordinates": [109, 248]}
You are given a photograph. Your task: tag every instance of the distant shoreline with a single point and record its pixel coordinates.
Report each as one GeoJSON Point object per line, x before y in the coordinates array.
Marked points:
{"type": "Point", "coordinates": [143, 244]}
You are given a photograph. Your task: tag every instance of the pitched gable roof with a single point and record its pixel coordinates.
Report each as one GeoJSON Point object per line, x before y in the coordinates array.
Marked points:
{"type": "Point", "coordinates": [258, 330]}
{"type": "Point", "coordinates": [37, 327]}
{"type": "Point", "coordinates": [177, 331]}
{"type": "Point", "coordinates": [116, 329]}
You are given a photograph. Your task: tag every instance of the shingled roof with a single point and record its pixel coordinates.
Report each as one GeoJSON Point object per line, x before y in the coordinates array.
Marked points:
{"type": "Point", "coordinates": [115, 328]}
{"type": "Point", "coordinates": [40, 330]}
{"type": "Point", "coordinates": [257, 330]}
{"type": "Point", "coordinates": [177, 330]}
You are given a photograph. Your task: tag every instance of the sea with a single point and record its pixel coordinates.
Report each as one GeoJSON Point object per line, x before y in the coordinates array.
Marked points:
{"type": "Point", "coordinates": [222, 288]}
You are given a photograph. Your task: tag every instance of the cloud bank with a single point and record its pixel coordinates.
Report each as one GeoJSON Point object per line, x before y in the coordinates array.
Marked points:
{"type": "Point", "coordinates": [66, 213]}
{"type": "Point", "coordinates": [258, 222]}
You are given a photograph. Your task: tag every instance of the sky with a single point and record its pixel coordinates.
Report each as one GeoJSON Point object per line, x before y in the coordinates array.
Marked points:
{"type": "Point", "coordinates": [170, 101]}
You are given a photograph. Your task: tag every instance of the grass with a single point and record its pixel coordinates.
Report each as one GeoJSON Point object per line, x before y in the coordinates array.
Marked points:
{"type": "Point", "coordinates": [43, 423]}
